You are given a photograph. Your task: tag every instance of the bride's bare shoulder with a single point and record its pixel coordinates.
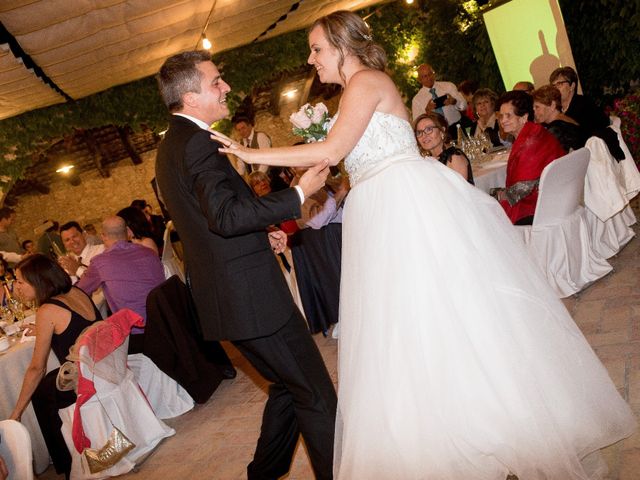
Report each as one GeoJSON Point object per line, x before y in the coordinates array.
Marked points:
{"type": "Point", "coordinates": [371, 76]}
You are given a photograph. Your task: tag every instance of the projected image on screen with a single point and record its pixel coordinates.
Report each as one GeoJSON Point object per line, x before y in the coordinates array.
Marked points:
{"type": "Point", "coordinates": [529, 40]}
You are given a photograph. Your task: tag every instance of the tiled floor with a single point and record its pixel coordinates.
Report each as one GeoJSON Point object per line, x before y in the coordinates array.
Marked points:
{"type": "Point", "coordinates": [216, 440]}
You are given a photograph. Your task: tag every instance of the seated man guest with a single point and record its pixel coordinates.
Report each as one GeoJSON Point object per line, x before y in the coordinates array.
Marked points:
{"type": "Point", "coordinates": [433, 137]}
{"type": "Point", "coordinates": [547, 111]}
{"type": "Point", "coordinates": [79, 252]}
{"type": "Point", "coordinates": [524, 86]}
{"type": "Point", "coordinates": [534, 148]}
{"type": "Point", "coordinates": [127, 272]}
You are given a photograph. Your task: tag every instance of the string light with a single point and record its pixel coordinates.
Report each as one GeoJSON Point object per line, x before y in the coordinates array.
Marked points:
{"type": "Point", "coordinates": [206, 43]}
{"type": "Point", "coordinates": [64, 169]}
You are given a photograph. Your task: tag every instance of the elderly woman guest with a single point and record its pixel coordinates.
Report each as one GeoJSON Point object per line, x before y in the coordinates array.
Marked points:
{"type": "Point", "coordinates": [64, 312]}
{"type": "Point", "coordinates": [432, 136]}
{"type": "Point", "coordinates": [534, 148]}
{"type": "Point", "coordinates": [484, 104]}
{"type": "Point", "coordinates": [547, 111]}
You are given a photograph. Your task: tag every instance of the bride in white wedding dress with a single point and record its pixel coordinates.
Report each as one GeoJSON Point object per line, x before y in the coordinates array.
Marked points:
{"type": "Point", "coordinates": [456, 360]}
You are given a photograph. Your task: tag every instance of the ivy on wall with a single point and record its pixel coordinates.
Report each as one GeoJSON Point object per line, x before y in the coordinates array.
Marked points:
{"type": "Point", "coordinates": [449, 34]}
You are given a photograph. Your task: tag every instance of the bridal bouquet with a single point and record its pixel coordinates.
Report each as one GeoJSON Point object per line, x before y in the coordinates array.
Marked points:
{"type": "Point", "coordinates": [311, 123]}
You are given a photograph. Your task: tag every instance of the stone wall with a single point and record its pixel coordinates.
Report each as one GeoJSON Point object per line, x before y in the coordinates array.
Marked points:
{"type": "Point", "coordinates": [95, 198]}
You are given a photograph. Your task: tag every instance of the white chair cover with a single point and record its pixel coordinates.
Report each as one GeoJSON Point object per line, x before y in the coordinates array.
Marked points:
{"type": "Point", "coordinates": [609, 215]}
{"type": "Point", "coordinates": [118, 399]}
{"type": "Point", "coordinates": [628, 169]}
{"type": "Point", "coordinates": [604, 194]}
{"type": "Point", "coordinates": [610, 236]}
{"type": "Point", "coordinates": [15, 449]}
{"type": "Point", "coordinates": [167, 398]}
{"type": "Point", "coordinates": [170, 260]}
{"type": "Point", "coordinates": [559, 238]}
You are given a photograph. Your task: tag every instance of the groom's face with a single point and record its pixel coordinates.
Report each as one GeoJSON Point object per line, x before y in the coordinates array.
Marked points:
{"type": "Point", "coordinates": [211, 101]}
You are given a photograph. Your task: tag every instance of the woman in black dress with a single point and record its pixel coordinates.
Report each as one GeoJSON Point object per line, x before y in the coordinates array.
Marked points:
{"type": "Point", "coordinates": [63, 313]}
{"type": "Point", "coordinates": [547, 111]}
{"type": "Point", "coordinates": [432, 136]}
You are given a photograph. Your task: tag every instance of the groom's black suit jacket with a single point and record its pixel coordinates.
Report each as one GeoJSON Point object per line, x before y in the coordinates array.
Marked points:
{"type": "Point", "coordinates": [237, 285]}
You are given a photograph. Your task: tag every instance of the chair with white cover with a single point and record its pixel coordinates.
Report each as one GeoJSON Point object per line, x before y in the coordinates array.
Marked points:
{"type": "Point", "coordinates": [171, 262]}
{"type": "Point", "coordinates": [166, 397]}
{"type": "Point", "coordinates": [15, 449]}
{"type": "Point", "coordinates": [559, 240]}
{"type": "Point", "coordinates": [108, 397]}
{"type": "Point", "coordinates": [608, 212]}
{"type": "Point", "coordinates": [629, 173]}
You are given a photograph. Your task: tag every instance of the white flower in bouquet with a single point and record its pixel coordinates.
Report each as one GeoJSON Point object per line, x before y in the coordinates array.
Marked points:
{"type": "Point", "coordinates": [311, 123]}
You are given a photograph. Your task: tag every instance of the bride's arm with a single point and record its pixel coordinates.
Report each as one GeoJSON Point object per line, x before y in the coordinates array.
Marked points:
{"type": "Point", "coordinates": [360, 99]}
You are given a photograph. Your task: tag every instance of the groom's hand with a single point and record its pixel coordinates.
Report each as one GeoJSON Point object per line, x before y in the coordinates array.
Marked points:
{"type": "Point", "coordinates": [314, 178]}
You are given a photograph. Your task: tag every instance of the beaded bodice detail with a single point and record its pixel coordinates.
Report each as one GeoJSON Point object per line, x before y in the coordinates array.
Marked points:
{"type": "Point", "coordinates": [386, 135]}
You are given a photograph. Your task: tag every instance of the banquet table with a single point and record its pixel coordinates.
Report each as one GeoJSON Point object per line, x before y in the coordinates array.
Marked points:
{"type": "Point", "coordinates": [13, 365]}
{"type": "Point", "coordinates": [491, 172]}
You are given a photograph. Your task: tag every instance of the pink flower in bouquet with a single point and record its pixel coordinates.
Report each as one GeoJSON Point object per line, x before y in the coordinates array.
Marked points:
{"type": "Point", "coordinates": [310, 122]}
{"type": "Point", "coordinates": [301, 119]}
{"type": "Point", "coordinates": [319, 112]}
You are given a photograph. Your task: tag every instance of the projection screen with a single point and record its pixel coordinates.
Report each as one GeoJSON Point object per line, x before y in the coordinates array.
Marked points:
{"type": "Point", "coordinates": [529, 40]}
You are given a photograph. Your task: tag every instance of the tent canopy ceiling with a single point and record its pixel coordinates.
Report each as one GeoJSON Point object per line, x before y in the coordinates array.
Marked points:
{"type": "Point", "coordinates": [86, 46]}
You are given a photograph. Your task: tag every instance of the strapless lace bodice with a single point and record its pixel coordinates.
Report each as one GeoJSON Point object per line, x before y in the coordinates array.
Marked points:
{"type": "Point", "coordinates": [386, 135]}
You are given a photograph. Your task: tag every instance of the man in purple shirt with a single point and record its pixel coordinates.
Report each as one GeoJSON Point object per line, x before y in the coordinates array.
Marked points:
{"type": "Point", "coordinates": [127, 272]}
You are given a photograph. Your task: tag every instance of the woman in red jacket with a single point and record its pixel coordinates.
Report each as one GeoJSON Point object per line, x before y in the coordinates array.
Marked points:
{"type": "Point", "coordinates": [533, 149]}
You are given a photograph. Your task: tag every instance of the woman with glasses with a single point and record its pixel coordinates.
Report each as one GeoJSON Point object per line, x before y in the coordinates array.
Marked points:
{"type": "Point", "coordinates": [582, 109]}
{"type": "Point", "coordinates": [433, 136]}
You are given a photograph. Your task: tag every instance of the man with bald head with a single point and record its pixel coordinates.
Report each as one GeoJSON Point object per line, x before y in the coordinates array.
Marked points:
{"type": "Point", "coordinates": [126, 271]}
{"type": "Point", "coordinates": [435, 96]}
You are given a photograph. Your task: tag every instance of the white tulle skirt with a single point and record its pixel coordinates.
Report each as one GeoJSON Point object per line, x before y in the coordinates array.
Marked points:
{"type": "Point", "coordinates": [456, 360]}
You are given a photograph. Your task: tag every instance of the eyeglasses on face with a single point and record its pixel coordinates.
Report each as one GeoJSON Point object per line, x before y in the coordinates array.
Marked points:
{"type": "Point", "coordinates": [424, 131]}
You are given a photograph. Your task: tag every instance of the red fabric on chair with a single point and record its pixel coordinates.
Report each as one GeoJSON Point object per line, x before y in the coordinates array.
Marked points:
{"type": "Point", "coordinates": [112, 333]}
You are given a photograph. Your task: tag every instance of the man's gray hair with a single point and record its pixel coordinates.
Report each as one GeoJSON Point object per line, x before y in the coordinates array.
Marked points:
{"type": "Point", "coordinates": [179, 75]}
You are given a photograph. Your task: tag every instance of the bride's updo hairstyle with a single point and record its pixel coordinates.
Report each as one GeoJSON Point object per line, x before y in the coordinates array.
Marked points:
{"type": "Point", "coordinates": [347, 32]}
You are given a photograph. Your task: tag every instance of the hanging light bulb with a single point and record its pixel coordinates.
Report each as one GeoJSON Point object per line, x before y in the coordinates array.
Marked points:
{"type": "Point", "coordinates": [206, 44]}
{"type": "Point", "coordinates": [409, 2]}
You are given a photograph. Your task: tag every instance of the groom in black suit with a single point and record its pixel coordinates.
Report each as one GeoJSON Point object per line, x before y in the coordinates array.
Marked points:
{"type": "Point", "coordinates": [239, 290]}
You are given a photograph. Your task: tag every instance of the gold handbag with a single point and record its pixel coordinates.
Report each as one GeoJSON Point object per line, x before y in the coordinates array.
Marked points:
{"type": "Point", "coordinates": [117, 446]}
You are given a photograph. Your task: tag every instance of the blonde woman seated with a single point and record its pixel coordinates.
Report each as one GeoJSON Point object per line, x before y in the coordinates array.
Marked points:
{"type": "Point", "coordinates": [432, 136]}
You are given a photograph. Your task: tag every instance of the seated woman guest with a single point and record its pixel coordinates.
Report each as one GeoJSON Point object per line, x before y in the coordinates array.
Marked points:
{"type": "Point", "coordinates": [547, 111]}
{"type": "Point", "coordinates": [64, 312]}
{"type": "Point", "coordinates": [534, 148]}
{"type": "Point", "coordinates": [139, 227]}
{"type": "Point", "coordinates": [432, 136]}
{"type": "Point", "coordinates": [582, 109]}
{"type": "Point", "coordinates": [484, 104]}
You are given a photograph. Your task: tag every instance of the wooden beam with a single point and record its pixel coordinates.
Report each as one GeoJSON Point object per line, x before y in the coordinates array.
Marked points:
{"type": "Point", "coordinates": [124, 133]}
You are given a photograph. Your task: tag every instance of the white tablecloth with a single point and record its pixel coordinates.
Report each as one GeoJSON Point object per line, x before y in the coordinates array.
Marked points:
{"type": "Point", "coordinates": [13, 365]}
{"type": "Point", "coordinates": [492, 173]}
